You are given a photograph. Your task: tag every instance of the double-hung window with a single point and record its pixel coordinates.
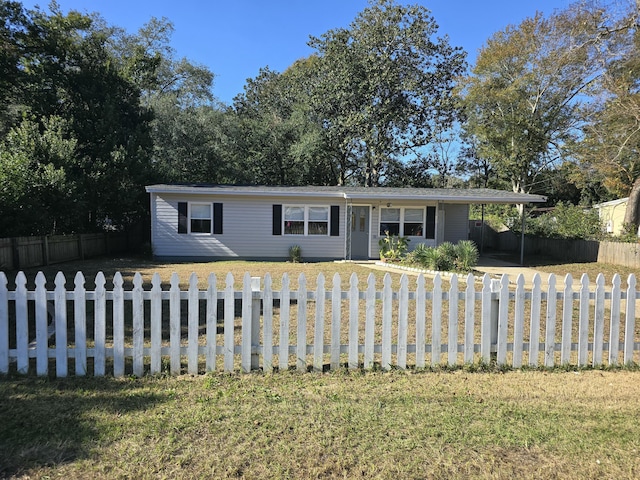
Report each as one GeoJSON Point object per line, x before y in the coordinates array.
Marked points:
{"type": "Point", "coordinates": [390, 221]}
{"type": "Point", "coordinates": [200, 216]}
{"type": "Point", "coordinates": [305, 220]}
{"type": "Point", "coordinates": [403, 221]}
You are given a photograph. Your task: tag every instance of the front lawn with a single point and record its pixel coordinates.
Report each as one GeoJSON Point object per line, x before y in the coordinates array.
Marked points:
{"type": "Point", "coordinates": [522, 424]}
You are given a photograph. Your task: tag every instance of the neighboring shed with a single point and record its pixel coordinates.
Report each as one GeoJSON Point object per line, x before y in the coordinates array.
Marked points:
{"type": "Point", "coordinates": [612, 215]}
{"type": "Point", "coordinates": [259, 222]}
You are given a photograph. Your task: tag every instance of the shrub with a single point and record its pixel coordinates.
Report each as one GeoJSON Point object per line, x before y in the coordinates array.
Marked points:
{"type": "Point", "coordinates": [295, 253]}
{"type": "Point", "coordinates": [393, 247]}
{"type": "Point", "coordinates": [466, 255]}
{"type": "Point", "coordinates": [445, 257]}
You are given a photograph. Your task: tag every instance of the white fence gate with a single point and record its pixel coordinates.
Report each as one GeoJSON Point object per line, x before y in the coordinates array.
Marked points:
{"type": "Point", "coordinates": [140, 330]}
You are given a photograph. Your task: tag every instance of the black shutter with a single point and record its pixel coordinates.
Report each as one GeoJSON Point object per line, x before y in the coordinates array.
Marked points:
{"type": "Point", "coordinates": [277, 220]}
{"type": "Point", "coordinates": [217, 219]}
{"type": "Point", "coordinates": [430, 230]}
{"type": "Point", "coordinates": [183, 221]}
{"type": "Point", "coordinates": [335, 221]}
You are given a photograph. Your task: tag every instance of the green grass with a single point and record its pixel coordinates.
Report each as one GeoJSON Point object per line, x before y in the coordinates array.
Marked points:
{"type": "Point", "coordinates": [460, 424]}
{"type": "Point", "coordinates": [457, 424]}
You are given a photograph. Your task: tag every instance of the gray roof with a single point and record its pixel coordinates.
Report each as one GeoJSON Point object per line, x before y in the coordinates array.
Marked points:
{"type": "Point", "coordinates": [450, 195]}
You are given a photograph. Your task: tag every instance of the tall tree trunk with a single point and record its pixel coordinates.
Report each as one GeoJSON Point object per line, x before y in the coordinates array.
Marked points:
{"type": "Point", "coordinates": [632, 213]}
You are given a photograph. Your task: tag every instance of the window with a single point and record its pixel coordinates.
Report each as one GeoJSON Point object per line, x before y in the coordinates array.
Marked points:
{"type": "Point", "coordinates": [413, 222]}
{"type": "Point", "coordinates": [200, 218]}
{"type": "Point", "coordinates": [305, 220]}
{"type": "Point", "coordinates": [390, 221]}
{"type": "Point", "coordinates": [407, 222]}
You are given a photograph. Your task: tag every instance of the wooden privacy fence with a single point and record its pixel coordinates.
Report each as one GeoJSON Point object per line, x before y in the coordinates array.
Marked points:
{"type": "Point", "coordinates": [140, 329]}
{"type": "Point", "coordinates": [25, 252]}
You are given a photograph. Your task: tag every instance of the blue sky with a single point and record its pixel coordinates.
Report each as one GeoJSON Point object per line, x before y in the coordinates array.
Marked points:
{"type": "Point", "coordinates": [235, 38]}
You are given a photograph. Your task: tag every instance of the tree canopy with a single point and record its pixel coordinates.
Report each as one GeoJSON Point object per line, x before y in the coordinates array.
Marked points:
{"type": "Point", "coordinates": [90, 113]}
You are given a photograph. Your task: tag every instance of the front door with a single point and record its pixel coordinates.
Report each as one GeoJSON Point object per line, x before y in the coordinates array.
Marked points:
{"type": "Point", "coordinates": [359, 233]}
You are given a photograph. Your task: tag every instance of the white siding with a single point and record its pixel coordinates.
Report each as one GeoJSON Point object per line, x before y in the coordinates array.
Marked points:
{"type": "Point", "coordinates": [247, 230]}
{"type": "Point", "coordinates": [456, 223]}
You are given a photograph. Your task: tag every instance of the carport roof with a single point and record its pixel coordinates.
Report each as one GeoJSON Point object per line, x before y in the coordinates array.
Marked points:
{"type": "Point", "coordinates": [449, 195]}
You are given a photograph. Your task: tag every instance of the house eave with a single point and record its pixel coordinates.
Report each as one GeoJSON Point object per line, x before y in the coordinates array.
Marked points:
{"type": "Point", "coordinates": [374, 194]}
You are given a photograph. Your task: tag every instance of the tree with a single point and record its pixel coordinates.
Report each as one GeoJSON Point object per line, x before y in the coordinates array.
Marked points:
{"type": "Point", "coordinates": [612, 142]}
{"type": "Point", "coordinates": [66, 69]}
{"type": "Point", "coordinates": [34, 188]}
{"type": "Point", "coordinates": [528, 93]}
{"type": "Point", "coordinates": [282, 142]}
{"type": "Point", "coordinates": [384, 84]}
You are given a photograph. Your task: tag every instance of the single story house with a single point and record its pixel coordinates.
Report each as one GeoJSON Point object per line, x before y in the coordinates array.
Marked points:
{"type": "Point", "coordinates": [259, 222]}
{"type": "Point", "coordinates": [611, 215]}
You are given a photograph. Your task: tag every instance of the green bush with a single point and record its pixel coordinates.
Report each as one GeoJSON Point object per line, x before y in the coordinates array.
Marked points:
{"type": "Point", "coordinates": [565, 221]}
{"type": "Point", "coordinates": [295, 253]}
{"type": "Point", "coordinates": [393, 247]}
{"type": "Point", "coordinates": [466, 255]}
{"type": "Point", "coordinates": [445, 257]}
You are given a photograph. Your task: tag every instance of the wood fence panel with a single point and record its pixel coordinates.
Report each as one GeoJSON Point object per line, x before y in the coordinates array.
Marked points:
{"type": "Point", "coordinates": [6, 254]}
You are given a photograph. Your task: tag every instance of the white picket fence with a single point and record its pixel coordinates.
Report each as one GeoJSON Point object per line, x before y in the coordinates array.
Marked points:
{"type": "Point", "coordinates": [140, 331]}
